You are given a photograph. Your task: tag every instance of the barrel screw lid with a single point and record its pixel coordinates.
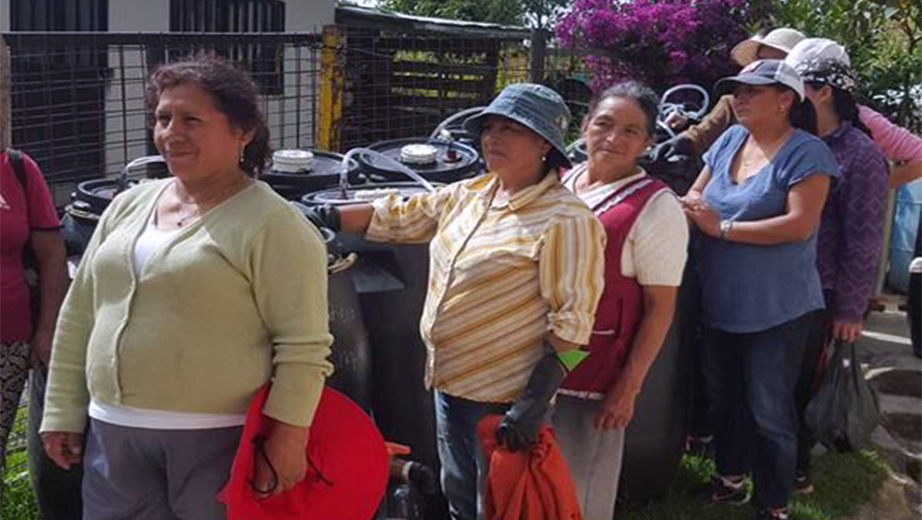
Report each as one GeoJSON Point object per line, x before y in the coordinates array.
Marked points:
{"type": "Point", "coordinates": [292, 161]}
{"type": "Point", "coordinates": [419, 153]}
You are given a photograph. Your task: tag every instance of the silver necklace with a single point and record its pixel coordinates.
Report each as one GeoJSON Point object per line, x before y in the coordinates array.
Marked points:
{"type": "Point", "coordinates": [185, 219]}
{"type": "Point", "coordinates": [197, 211]}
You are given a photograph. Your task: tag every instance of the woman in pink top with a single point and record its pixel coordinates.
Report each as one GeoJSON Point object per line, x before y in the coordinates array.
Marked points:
{"type": "Point", "coordinates": [27, 221]}
{"type": "Point", "coordinates": [900, 146]}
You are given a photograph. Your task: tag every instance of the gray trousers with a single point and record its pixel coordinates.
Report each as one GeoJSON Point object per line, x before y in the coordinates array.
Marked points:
{"type": "Point", "coordinates": [593, 455]}
{"type": "Point", "coordinates": [145, 474]}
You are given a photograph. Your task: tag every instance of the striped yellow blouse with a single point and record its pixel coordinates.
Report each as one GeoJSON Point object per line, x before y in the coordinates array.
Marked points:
{"type": "Point", "coordinates": [502, 274]}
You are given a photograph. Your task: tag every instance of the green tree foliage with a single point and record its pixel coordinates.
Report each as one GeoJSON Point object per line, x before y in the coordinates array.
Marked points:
{"type": "Point", "coordinates": [532, 13]}
{"type": "Point", "coordinates": [884, 41]}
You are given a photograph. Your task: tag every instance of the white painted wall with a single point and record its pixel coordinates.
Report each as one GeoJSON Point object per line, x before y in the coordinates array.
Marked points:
{"type": "Point", "coordinates": [154, 16]}
{"type": "Point", "coordinates": [130, 16]}
{"type": "Point", "coordinates": [139, 15]}
{"type": "Point", "coordinates": [4, 15]}
{"type": "Point", "coordinates": [307, 15]}
{"type": "Point", "coordinates": [300, 16]}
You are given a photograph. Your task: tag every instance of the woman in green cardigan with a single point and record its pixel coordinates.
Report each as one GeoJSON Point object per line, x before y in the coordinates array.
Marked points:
{"type": "Point", "coordinates": [194, 292]}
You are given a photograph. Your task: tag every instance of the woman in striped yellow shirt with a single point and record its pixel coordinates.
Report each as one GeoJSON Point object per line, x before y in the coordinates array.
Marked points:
{"type": "Point", "coordinates": [516, 272]}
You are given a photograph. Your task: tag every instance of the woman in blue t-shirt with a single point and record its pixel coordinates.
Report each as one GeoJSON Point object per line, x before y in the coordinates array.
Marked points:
{"type": "Point", "coordinates": [757, 204]}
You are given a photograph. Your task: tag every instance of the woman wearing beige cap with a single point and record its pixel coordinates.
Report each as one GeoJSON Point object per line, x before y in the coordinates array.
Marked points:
{"type": "Point", "coordinates": [901, 148]}
{"type": "Point", "coordinates": [774, 45]}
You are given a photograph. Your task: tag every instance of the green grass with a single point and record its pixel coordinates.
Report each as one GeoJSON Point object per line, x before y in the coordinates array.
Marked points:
{"type": "Point", "coordinates": [844, 482]}
{"type": "Point", "coordinates": [18, 502]}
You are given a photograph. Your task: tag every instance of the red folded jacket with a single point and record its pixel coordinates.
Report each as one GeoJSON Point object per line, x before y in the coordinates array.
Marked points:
{"type": "Point", "coordinates": [347, 467]}
{"type": "Point", "coordinates": [533, 484]}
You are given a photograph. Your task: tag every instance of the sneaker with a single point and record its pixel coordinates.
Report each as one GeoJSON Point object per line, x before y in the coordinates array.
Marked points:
{"type": "Point", "coordinates": [915, 266]}
{"type": "Point", "coordinates": [724, 491]}
{"type": "Point", "coordinates": [699, 445]}
{"type": "Point", "coordinates": [774, 514]}
{"type": "Point", "coordinates": [802, 483]}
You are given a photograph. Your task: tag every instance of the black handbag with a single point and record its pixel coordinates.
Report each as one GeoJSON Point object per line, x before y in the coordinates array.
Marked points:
{"type": "Point", "coordinates": [845, 410]}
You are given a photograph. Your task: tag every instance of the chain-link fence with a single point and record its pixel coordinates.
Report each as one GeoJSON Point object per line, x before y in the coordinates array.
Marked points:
{"type": "Point", "coordinates": [77, 100]}
{"type": "Point", "coordinates": [78, 105]}
{"type": "Point", "coordinates": [402, 84]}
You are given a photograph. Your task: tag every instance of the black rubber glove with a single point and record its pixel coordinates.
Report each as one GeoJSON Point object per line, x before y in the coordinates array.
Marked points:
{"type": "Point", "coordinates": [678, 145]}
{"type": "Point", "coordinates": [323, 216]}
{"type": "Point", "coordinates": [519, 428]}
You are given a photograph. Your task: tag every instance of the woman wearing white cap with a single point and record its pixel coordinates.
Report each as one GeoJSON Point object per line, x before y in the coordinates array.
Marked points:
{"type": "Point", "coordinates": [757, 204]}
{"type": "Point", "coordinates": [900, 146]}
{"type": "Point", "coordinates": [851, 231]}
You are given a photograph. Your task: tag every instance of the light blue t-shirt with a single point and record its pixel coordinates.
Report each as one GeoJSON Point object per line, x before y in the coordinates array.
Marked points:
{"type": "Point", "coordinates": [750, 288]}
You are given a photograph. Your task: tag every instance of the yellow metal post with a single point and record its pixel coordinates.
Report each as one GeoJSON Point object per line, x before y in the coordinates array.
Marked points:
{"type": "Point", "coordinates": [332, 81]}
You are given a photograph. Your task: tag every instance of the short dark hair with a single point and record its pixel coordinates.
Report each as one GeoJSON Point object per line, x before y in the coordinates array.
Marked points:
{"type": "Point", "coordinates": [235, 95]}
{"type": "Point", "coordinates": [643, 95]}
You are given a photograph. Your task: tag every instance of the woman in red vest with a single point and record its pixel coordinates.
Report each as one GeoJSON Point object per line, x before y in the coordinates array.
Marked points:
{"type": "Point", "coordinates": [644, 259]}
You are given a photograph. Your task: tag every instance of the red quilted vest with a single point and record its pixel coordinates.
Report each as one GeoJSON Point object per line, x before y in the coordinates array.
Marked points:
{"type": "Point", "coordinates": [621, 305]}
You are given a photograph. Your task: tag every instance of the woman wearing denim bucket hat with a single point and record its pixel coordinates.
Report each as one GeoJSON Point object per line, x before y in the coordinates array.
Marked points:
{"type": "Point", "coordinates": [851, 230]}
{"type": "Point", "coordinates": [516, 272]}
{"type": "Point", "coordinates": [757, 205]}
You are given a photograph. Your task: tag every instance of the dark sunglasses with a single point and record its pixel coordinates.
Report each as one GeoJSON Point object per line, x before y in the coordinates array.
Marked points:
{"type": "Point", "coordinates": [260, 442]}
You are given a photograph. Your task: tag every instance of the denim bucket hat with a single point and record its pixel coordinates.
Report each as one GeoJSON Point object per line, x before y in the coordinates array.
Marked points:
{"type": "Point", "coordinates": [536, 107]}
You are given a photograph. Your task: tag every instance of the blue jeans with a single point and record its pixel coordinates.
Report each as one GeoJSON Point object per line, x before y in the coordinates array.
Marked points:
{"type": "Point", "coordinates": [750, 383]}
{"type": "Point", "coordinates": [463, 463]}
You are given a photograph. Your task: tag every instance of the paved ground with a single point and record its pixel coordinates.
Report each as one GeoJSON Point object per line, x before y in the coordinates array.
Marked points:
{"type": "Point", "coordinates": [897, 376]}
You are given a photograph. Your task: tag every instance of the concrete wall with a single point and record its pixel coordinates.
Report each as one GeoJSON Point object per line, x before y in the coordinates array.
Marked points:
{"type": "Point", "coordinates": [308, 15]}
{"type": "Point", "coordinates": [153, 16]}
{"type": "Point", "coordinates": [139, 15]}
{"type": "Point", "coordinates": [130, 16]}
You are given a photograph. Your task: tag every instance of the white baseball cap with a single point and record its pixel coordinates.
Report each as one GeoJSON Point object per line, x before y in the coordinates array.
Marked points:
{"type": "Point", "coordinates": [784, 39]}
{"type": "Point", "coordinates": [817, 49]}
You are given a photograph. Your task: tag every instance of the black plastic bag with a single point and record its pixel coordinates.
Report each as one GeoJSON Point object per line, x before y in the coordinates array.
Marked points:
{"type": "Point", "coordinates": [844, 412]}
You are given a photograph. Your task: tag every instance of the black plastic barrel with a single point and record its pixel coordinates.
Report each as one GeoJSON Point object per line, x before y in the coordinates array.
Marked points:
{"type": "Point", "coordinates": [351, 352]}
{"type": "Point", "coordinates": [95, 195]}
{"type": "Point", "coordinates": [391, 281]}
{"type": "Point", "coordinates": [655, 437]}
{"type": "Point", "coordinates": [452, 162]}
{"type": "Point", "coordinates": [76, 230]}
{"type": "Point", "coordinates": [325, 173]}
{"type": "Point", "coordinates": [90, 199]}
{"type": "Point", "coordinates": [577, 151]}
{"type": "Point", "coordinates": [677, 171]}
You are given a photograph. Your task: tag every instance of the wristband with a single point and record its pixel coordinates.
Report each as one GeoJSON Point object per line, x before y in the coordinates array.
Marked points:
{"type": "Point", "coordinates": [571, 358]}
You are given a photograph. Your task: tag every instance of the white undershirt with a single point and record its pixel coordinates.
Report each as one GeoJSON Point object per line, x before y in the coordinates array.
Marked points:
{"type": "Point", "coordinates": [656, 247]}
{"type": "Point", "coordinates": [150, 240]}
